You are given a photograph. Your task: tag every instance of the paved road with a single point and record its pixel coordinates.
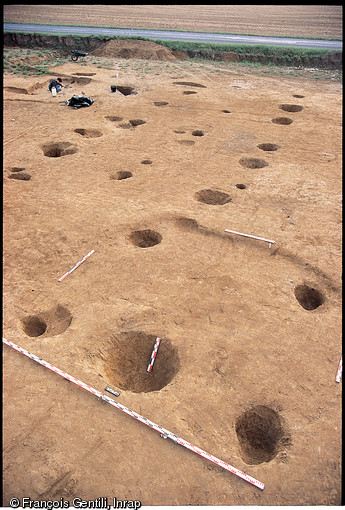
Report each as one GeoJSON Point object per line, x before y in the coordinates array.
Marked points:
{"type": "Point", "coordinates": [177, 36]}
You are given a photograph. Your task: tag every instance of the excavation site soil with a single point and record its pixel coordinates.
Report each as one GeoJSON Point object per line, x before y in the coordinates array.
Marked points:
{"type": "Point", "coordinates": [168, 157]}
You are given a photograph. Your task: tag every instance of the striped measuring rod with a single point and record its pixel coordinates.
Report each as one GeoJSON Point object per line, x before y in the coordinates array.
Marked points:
{"type": "Point", "coordinates": [163, 432]}
{"type": "Point", "coordinates": [153, 355]}
{"type": "Point", "coordinates": [340, 370]}
{"type": "Point", "coordinates": [77, 265]}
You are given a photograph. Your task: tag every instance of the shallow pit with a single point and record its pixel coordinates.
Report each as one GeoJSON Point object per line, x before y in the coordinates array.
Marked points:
{"type": "Point", "coordinates": [241, 186]}
{"type": "Point", "coordinates": [146, 162]}
{"type": "Point", "coordinates": [17, 169]}
{"type": "Point", "coordinates": [58, 319]}
{"type": "Point", "coordinates": [268, 147]}
{"type": "Point", "coordinates": [253, 163]}
{"type": "Point", "coordinates": [20, 176]}
{"type": "Point", "coordinates": [291, 107]}
{"type": "Point", "coordinates": [297, 95]}
{"type": "Point", "coordinates": [126, 90]}
{"type": "Point", "coordinates": [89, 133]}
{"type": "Point", "coordinates": [186, 223]}
{"type": "Point", "coordinates": [212, 197]}
{"type": "Point", "coordinates": [84, 74]}
{"type": "Point", "coordinates": [34, 326]}
{"type": "Point", "coordinates": [259, 432]}
{"type": "Point", "coordinates": [145, 238]}
{"type": "Point", "coordinates": [137, 122]}
{"type": "Point", "coordinates": [78, 81]}
{"type": "Point", "coordinates": [186, 142]}
{"type": "Point", "coordinates": [122, 174]}
{"type": "Point", "coordinates": [114, 118]}
{"type": "Point", "coordinates": [128, 357]}
{"type": "Point", "coordinates": [189, 92]}
{"type": "Point", "coordinates": [160, 103]}
{"type": "Point", "coordinates": [284, 121]}
{"type": "Point", "coordinates": [198, 132]}
{"type": "Point", "coordinates": [308, 297]}
{"type": "Point", "coordinates": [189, 84]}
{"type": "Point", "coordinates": [58, 149]}
{"type": "Point", "coordinates": [17, 90]}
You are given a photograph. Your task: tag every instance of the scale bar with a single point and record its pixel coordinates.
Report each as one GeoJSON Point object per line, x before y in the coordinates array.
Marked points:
{"type": "Point", "coordinates": [163, 432]}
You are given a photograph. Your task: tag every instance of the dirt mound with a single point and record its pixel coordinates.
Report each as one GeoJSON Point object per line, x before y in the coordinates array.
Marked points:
{"type": "Point", "coordinates": [134, 48]}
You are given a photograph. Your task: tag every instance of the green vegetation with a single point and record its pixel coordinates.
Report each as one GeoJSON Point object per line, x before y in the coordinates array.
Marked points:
{"type": "Point", "coordinates": [186, 46]}
{"type": "Point", "coordinates": [280, 55]}
{"type": "Point", "coordinates": [266, 55]}
{"type": "Point", "coordinates": [182, 31]}
{"type": "Point", "coordinates": [201, 58]}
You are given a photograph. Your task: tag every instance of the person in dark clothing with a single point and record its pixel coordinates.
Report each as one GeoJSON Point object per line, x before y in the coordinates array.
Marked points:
{"type": "Point", "coordinates": [57, 84]}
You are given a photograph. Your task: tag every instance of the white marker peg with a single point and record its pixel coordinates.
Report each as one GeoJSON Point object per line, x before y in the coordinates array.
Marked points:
{"type": "Point", "coordinates": [253, 237]}
{"type": "Point", "coordinates": [340, 370]}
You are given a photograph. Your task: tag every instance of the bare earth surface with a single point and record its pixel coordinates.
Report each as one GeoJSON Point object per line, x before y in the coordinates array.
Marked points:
{"type": "Point", "coordinates": [320, 21]}
{"type": "Point", "coordinates": [250, 333]}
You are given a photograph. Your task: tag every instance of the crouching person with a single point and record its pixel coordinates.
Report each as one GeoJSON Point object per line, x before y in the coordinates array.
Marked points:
{"type": "Point", "coordinates": [55, 86]}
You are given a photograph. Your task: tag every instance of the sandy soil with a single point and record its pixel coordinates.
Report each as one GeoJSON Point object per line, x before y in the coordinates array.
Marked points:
{"type": "Point", "coordinates": [250, 333]}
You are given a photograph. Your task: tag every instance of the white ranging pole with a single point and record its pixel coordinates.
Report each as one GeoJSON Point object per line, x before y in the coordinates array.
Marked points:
{"type": "Point", "coordinates": [340, 370]}
{"type": "Point", "coordinates": [163, 432]}
{"type": "Point", "coordinates": [253, 237]}
{"type": "Point", "coordinates": [77, 265]}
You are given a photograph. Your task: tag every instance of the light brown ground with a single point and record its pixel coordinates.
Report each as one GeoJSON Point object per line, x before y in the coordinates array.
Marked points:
{"type": "Point", "coordinates": [325, 21]}
{"type": "Point", "coordinates": [234, 336]}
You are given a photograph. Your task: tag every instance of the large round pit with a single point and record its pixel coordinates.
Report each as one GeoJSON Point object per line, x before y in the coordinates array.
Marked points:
{"type": "Point", "coordinates": [308, 297]}
{"type": "Point", "coordinates": [259, 432]}
{"type": "Point", "coordinates": [129, 356]}
{"type": "Point", "coordinates": [145, 238]}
